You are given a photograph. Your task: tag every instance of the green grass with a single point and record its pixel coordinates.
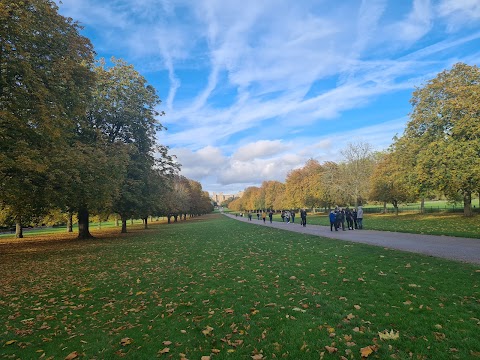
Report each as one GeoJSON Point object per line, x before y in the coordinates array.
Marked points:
{"type": "Point", "coordinates": [432, 224]}
{"type": "Point", "coordinates": [218, 286]}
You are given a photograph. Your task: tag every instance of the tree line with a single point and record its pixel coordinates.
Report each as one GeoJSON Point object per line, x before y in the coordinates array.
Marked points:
{"type": "Point", "coordinates": [77, 135]}
{"type": "Point", "coordinates": [437, 155]}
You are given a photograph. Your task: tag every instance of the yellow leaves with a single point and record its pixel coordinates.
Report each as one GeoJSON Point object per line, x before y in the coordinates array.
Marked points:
{"type": "Point", "coordinates": [229, 311]}
{"type": "Point", "coordinates": [85, 289]}
{"type": "Point", "coordinates": [140, 293]}
{"type": "Point", "coordinates": [357, 307]}
{"type": "Point", "coordinates": [392, 335]}
{"type": "Point", "coordinates": [10, 342]}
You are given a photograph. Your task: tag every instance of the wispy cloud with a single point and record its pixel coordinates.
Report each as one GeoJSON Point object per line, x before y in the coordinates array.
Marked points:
{"type": "Point", "coordinates": [271, 77]}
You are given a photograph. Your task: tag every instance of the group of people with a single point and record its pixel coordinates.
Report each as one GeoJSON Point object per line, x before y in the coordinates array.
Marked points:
{"type": "Point", "coordinates": [353, 217]}
{"type": "Point", "coordinates": [287, 216]}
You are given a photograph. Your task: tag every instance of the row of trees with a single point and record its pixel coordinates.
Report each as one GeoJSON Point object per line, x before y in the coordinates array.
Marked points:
{"type": "Point", "coordinates": [315, 185]}
{"type": "Point", "coordinates": [75, 134]}
{"type": "Point", "coordinates": [438, 154]}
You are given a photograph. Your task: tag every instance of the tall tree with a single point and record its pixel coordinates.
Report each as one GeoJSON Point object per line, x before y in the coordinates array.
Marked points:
{"type": "Point", "coordinates": [123, 111]}
{"type": "Point", "coordinates": [445, 130]}
{"type": "Point", "coordinates": [357, 170]}
{"type": "Point", "coordinates": [45, 77]}
{"type": "Point", "coordinates": [388, 182]}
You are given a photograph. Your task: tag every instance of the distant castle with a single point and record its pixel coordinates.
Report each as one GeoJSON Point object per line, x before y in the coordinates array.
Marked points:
{"type": "Point", "coordinates": [221, 197]}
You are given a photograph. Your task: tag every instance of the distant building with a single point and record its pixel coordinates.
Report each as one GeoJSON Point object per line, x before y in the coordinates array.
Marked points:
{"type": "Point", "coordinates": [221, 197]}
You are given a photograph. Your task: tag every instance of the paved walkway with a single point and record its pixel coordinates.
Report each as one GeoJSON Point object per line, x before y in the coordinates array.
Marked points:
{"type": "Point", "coordinates": [448, 247]}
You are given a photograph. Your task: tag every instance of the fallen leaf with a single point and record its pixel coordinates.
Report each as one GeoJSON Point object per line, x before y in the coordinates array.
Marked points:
{"type": "Point", "coordinates": [331, 349]}
{"type": "Point", "coordinates": [207, 331]}
{"type": "Point", "coordinates": [164, 351]}
{"type": "Point", "coordinates": [366, 351]}
{"type": "Point", "coordinates": [72, 355]}
{"type": "Point", "coordinates": [126, 341]}
{"type": "Point", "coordinates": [10, 342]}
{"type": "Point", "coordinates": [392, 335]}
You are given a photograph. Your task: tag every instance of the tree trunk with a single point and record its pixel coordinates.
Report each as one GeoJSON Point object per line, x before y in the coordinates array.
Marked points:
{"type": "Point", "coordinates": [175, 218]}
{"type": "Point", "coordinates": [384, 207]}
{"type": "Point", "coordinates": [83, 224]}
{"type": "Point", "coordinates": [116, 220]}
{"type": "Point", "coordinates": [131, 221]}
{"type": "Point", "coordinates": [124, 225]}
{"type": "Point", "coordinates": [422, 205]}
{"type": "Point", "coordinates": [168, 219]}
{"type": "Point", "coordinates": [146, 222]}
{"type": "Point", "coordinates": [70, 222]}
{"type": "Point", "coordinates": [18, 228]}
{"type": "Point", "coordinates": [467, 204]}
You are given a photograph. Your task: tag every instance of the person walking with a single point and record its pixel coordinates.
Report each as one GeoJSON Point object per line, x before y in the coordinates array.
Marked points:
{"type": "Point", "coordinates": [270, 215]}
{"type": "Point", "coordinates": [303, 216]}
{"type": "Point", "coordinates": [264, 216]}
{"type": "Point", "coordinates": [249, 216]}
{"type": "Point", "coordinates": [292, 215]}
{"type": "Point", "coordinates": [360, 217]}
{"type": "Point", "coordinates": [287, 216]}
{"type": "Point", "coordinates": [331, 217]}
{"type": "Point", "coordinates": [354, 215]}
{"type": "Point", "coordinates": [349, 217]}
{"type": "Point", "coordinates": [283, 215]}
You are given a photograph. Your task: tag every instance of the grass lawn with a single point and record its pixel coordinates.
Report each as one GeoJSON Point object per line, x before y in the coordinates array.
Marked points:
{"type": "Point", "coordinates": [433, 224]}
{"type": "Point", "coordinates": [224, 289]}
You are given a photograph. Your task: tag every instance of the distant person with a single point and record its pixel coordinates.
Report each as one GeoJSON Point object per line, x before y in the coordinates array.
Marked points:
{"type": "Point", "coordinates": [249, 216]}
{"type": "Point", "coordinates": [270, 216]}
{"type": "Point", "coordinates": [292, 215]}
{"type": "Point", "coordinates": [349, 217]}
{"type": "Point", "coordinates": [264, 216]}
{"type": "Point", "coordinates": [360, 217]}
{"type": "Point", "coordinates": [283, 216]}
{"type": "Point", "coordinates": [287, 216]}
{"type": "Point", "coordinates": [303, 217]}
{"type": "Point", "coordinates": [258, 215]}
{"type": "Point", "coordinates": [354, 214]}
{"type": "Point", "coordinates": [331, 217]}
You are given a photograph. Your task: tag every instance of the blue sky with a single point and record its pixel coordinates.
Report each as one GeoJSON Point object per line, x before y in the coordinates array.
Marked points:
{"type": "Point", "coordinates": [254, 88]}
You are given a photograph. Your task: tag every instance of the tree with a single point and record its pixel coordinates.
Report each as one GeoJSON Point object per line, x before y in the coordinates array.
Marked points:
{"type": "Point", "coordinates": [123, 112]}
{"type": "Point", "coordinates": [274, 192]}
{"type": "Point", "coordinates": [387, 182]}
{"type": "Point", "coordinates": [445, 130]}
{"type": "Point", "coordinates": [357, 169]}
{"type": "Point", "coordinates": [45, 77]}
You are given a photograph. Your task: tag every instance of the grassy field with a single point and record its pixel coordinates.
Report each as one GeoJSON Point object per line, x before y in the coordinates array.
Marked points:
{"type": "Point", "coordinates": [221, 289]}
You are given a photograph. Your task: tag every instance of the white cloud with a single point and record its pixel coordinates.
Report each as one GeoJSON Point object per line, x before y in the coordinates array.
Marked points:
{"type": "Point", "coordinates": [267, 70]}
{"type": "Point", "coordinates": [457, 13]}
{"type": "Point", "coordinates": [417, 23]}
{"type": "Point", "coordinates": [257, 150]}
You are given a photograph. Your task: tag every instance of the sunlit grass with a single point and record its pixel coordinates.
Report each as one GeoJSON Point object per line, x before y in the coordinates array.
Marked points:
{"type": "Point", "coordinates": [222, 288]}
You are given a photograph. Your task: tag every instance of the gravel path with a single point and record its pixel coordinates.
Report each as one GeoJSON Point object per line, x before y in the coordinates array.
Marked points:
{"type": "Point", "coordinates": [448, 247]}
